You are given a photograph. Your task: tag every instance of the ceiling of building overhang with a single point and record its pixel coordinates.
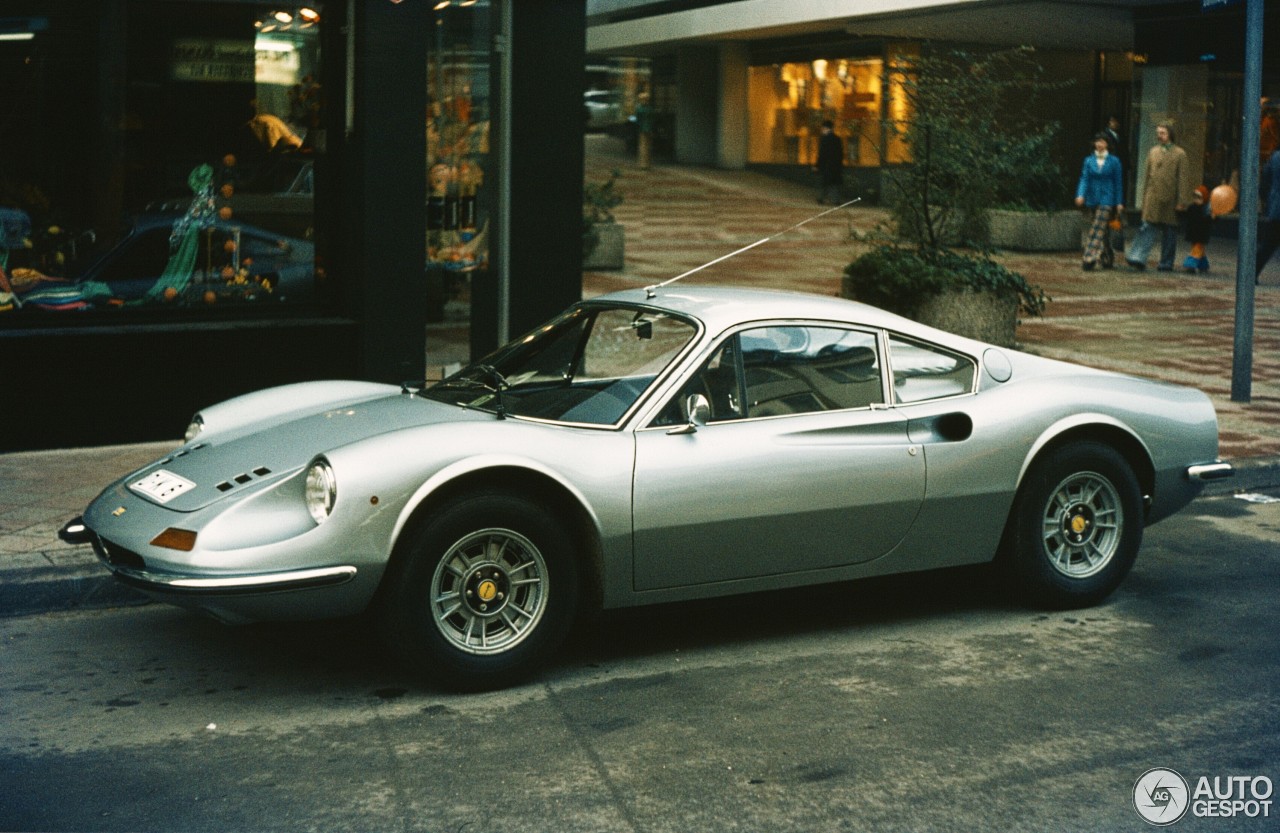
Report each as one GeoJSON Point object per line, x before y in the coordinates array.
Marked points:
{"type": "Point", "coordinates": [1049, 24]}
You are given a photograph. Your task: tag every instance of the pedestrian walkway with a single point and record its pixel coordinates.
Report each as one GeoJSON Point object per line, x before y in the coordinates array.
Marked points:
{"type": "Point", "coordinates": [1174, 327]}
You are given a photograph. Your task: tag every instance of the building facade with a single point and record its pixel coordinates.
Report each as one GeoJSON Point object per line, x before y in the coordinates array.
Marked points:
{"type": "Point", "coordinates": [748, 83]}
{"type": "Point", "coordinates": [199, 198]}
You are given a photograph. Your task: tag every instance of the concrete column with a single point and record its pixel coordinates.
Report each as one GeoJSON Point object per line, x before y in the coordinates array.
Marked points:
{"type": "Point", "coordinates": [698, 83]}
{"type": "Point", "coordinates": [733, 126]}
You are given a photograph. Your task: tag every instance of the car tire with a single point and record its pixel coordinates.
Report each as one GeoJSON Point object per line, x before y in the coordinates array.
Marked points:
{"type": "Point", "coordinates": [1075, 527]}
{"type": "Point", "coordinates": [486, 590]}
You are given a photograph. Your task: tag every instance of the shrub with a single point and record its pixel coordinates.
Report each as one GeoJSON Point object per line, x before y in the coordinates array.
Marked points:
{"type": "Point", "coordinates": [899, 279]}
{"type": "Point", "coordinates": [976, 143]}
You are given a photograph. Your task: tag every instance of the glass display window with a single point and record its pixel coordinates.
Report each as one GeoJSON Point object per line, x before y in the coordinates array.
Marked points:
{"type": "Point", "coordinates": [788, 102]}
{"type": "Point", "coordinates": [460, 173]}
{"type": "Point", "coordinates": [457, 142]}
{"type": "Point", "coordinates": [188, 180]}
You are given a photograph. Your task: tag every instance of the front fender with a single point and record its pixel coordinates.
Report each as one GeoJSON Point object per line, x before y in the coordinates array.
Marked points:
{"type": "Point", "coordinates": [472, 465]}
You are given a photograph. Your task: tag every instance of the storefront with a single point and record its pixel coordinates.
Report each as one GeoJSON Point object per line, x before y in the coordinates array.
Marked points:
{"type": "Point", "coordinates": [857, 86]}
{"type": "Point", "coordinates": [770, 73]}
{"type": "Point", "coordinates": [203, 197]}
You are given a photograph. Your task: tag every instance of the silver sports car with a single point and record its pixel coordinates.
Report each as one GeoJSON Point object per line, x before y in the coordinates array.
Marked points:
{"type": "Point", "coordinates": [650, 446]}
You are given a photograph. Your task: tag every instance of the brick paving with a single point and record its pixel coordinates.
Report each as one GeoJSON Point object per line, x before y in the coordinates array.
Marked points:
{"type": "Point", "coordinates": [1170, 326]}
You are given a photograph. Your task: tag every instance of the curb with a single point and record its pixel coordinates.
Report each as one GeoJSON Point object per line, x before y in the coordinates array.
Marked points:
{"type": "Point", "coordinates": [48, 589]}
{"type": "Point", "coordinates": [32, 591]}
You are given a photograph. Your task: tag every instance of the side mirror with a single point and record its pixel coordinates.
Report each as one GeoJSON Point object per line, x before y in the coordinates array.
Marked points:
{"type": "Point", "coordinates": [699, 410]}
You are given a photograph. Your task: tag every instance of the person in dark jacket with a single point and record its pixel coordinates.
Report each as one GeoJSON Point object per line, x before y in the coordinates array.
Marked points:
{"type": "Point", "coordinates": [1269, 234]}
{"type": "Point", "coordinates": [1101, 190]}
{"type": "Point", "coordinates": [830, 165]}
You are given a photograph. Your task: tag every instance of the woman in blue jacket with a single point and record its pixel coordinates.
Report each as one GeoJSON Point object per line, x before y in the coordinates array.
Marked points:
{"type": "Point", "coordinates": [1101, 189]}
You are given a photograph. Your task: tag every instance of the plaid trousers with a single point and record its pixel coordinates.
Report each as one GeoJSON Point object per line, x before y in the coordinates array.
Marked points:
{"type": "Point", "coordinates": [1099, 239]}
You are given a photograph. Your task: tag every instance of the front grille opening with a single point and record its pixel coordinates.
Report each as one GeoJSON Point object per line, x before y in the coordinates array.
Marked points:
{"type": "Point", "coordinates": [118, 555]}
{"type": "Point", "coordinates": [261, 471]}
{"type": "Point", "coordinates": [224, 486]}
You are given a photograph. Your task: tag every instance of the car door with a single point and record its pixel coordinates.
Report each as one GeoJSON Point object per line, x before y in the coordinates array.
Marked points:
{"type": "Point", "coordinates": [801, 466]}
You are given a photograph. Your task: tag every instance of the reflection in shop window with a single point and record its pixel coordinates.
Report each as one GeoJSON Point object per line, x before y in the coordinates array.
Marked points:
{"type": "Point", "coordinates": [458, 121]}
{"type": "Point", "coordinates": [219, 119]}
{"type": "Point", "coordinates": [789, 101]}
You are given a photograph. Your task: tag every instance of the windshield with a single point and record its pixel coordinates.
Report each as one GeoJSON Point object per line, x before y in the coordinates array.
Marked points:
{"type": "Point", "coordinates": [588, 366]}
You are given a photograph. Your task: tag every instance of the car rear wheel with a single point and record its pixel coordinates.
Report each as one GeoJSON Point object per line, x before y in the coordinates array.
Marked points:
{"type": "Point", "coordinates": [1076, 527]}
{"type": "Point", "coordinates": [484, 594]}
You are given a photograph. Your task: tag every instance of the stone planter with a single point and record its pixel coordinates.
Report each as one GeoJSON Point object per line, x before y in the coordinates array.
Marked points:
{"type": "Point", "coordinates": [1035, 231]}
{"type": "Point", "coordinates": [979, 315]}
{"type": "Point", "coordinates": [608, 251]}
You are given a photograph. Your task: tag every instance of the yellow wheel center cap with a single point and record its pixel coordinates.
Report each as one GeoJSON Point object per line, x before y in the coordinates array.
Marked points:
{"type": "Point", "coordinates": [1079, 524]}
{"type": "Point", "coordinates": [487, 591]}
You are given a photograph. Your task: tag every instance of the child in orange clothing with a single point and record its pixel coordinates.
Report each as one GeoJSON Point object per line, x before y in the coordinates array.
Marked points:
{"type": "Point", "coordinates": [1199, 229]}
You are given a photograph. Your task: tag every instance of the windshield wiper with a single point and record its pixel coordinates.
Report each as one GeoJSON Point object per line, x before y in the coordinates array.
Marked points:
{"type": "Point", "coordinates": [496, 383]}
{"type": "Point", "coordinates": [499, 385]}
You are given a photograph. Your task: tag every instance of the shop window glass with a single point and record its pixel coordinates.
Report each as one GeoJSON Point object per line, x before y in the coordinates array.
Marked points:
{"type": "Point", "coordinates": [459, 173]}
{"type": "Point", "coordinates": [184, 176]}
{"type": "Point", "coordinates": [788, 103]}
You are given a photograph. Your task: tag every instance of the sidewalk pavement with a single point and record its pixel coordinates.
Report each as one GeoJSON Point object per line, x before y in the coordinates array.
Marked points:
{"type": "Point", "coordinates": [1169, 326]}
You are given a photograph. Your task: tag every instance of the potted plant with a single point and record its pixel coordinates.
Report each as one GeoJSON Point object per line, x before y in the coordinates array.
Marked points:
{"type": "Point", "coordinates": [602, 237]}
{"type": "Point", "coordinates": [962, 293]}
{"type": "Point", "coordinates": [970, 134]}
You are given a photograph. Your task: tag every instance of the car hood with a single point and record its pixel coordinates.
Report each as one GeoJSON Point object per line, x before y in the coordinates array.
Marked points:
{"type": "Point", "coordinates": [203, 472]}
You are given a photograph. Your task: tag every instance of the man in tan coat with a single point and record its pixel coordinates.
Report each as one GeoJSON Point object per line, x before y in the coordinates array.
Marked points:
{"type": "Point", "coordinates": [1169, 189]}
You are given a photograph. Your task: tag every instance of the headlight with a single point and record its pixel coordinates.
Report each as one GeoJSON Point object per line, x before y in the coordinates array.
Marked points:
{"type": "Point", "coordinates": [321, 490]}
{"type": "Point", "coordinates": [194, 428]}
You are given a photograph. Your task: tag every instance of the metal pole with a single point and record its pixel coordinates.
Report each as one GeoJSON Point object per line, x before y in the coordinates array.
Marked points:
{"type": "Point", "coordinates": [503, 45]}
{"type": "Point", "coordinates": [1247, 256]}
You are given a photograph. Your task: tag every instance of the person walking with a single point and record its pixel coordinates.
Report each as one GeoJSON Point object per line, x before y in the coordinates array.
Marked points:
{"type": "Point", "coordinates": [1269, 234]}
{"type": "Point", "coordinates": [1167, 191]}
{"type": "Point", "coordinates": [644, 127]}
{"type": "Point", "coordinates": [830, 165]}
{"type": "Point", "coordinates": [1116, 147]}
{"type": "Point", "coordinates": [1199, 230]}
{"type": "Point", "coordinates": [1112, 134]}
{"type": "Point", "coordinates": [1100, 189]}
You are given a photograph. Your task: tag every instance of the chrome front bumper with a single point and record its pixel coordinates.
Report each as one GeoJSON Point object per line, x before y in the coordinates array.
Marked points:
{"type": "Point", "coordinates": [234, 585]}
{"type": "Point", "coordinates": [1211, 471]}
{"type": "Point", "coordinates": [76, 532]}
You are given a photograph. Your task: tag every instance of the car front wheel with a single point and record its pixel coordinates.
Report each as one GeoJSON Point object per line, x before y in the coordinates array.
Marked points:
{"type": "Point", "coordinates": [1076, 527]}
{"type": "Point", "coordinates": [486, 591]}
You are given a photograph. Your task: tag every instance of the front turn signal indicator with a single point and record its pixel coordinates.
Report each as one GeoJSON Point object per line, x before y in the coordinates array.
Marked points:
{"type": "Point", "coordinates": [175, 539]}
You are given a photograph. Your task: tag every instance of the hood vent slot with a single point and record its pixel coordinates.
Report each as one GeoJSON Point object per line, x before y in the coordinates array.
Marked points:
{"type": "Point", "coordinates": [241, 479]}
{"type": "Point", "coordinates": [182, 452]}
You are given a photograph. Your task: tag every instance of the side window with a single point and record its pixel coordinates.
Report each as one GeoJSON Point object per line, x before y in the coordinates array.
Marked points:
{"type": "Point", "coordinates": [717, 380]}
{"type": "Point", "coordinates": [797, 370]}
{"type": "Point", "coordinates": [772, 371]}
{"type": "Point", "coordinates": [923, 372]}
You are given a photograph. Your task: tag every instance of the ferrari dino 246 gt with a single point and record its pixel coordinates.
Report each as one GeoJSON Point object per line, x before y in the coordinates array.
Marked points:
{"type": "Point", "coordinates": [651, 446]}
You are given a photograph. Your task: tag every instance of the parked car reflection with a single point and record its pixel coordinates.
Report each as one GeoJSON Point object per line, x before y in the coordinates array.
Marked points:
{"type": "Point", "coordinates": [232, 262]}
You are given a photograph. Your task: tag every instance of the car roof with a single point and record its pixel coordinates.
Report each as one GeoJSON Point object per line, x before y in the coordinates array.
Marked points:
{"type": "Point", "coordinates": [719, 308]}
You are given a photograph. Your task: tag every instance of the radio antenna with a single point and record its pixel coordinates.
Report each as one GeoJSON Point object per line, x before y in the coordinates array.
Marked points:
{"type": "Point", "coordinates": [652, 291]}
